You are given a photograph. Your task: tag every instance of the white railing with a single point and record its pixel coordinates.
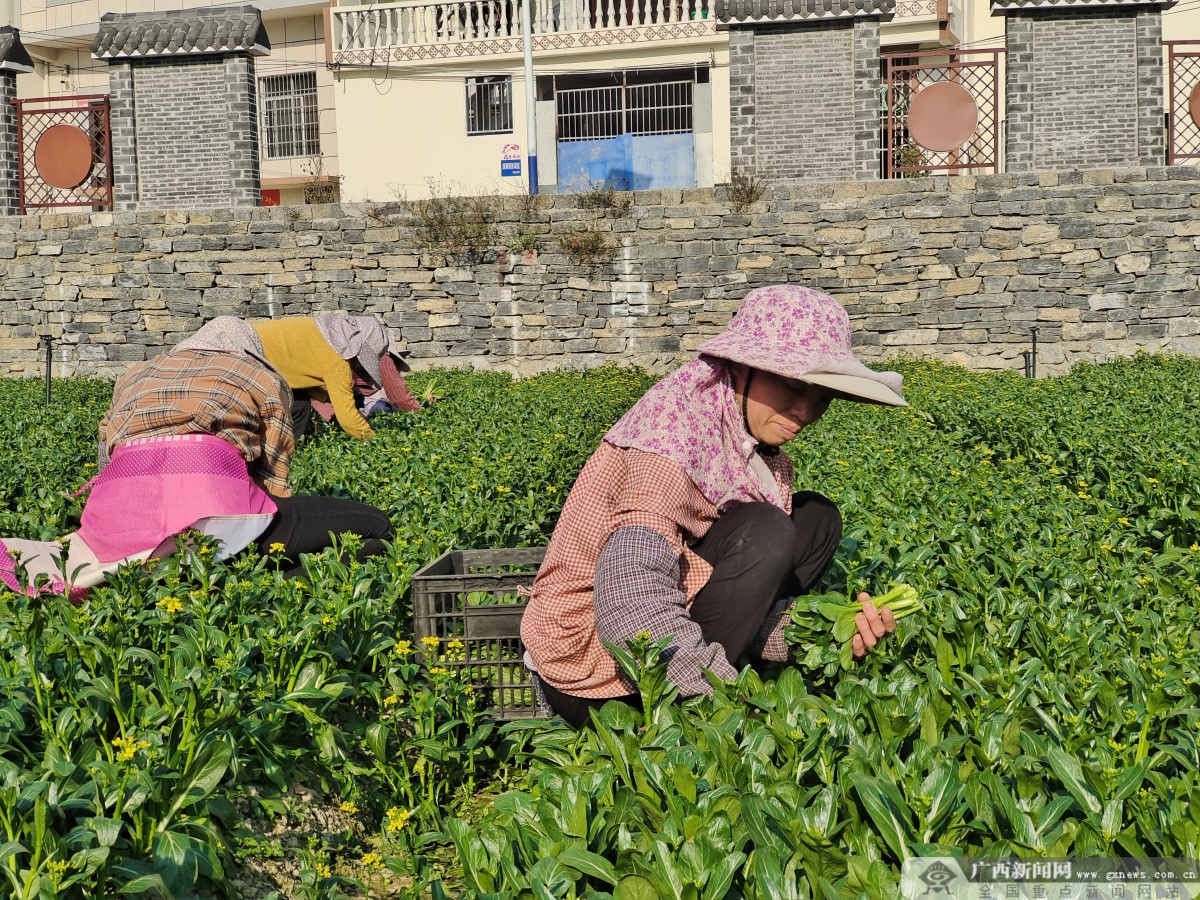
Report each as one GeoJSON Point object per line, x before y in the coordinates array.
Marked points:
{"type": "Point", "coordinates": [401, 24]}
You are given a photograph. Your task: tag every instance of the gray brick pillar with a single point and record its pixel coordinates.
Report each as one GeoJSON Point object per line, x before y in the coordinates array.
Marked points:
{"type": "Point", "coordinates": [14, 59]}
{"type": "Point", "coordinates": [241, 103]}
{"type": "Point", "coordinates": [184, 106]}
{"type": "Point", "coordinates": [804, 87]}
{"type": "Point", "coordinates": [10, 150]}
{"type": "Point", "coordinates": [1076, 102]}
{"type": "Point", "coordinates": [124, 138]}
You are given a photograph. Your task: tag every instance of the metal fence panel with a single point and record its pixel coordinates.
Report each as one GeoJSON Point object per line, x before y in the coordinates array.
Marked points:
{"type": "Point", "coordinates": [905, 76]}
{"type": "Point", "coordinates": [1183, 103]}
{"type": "Point", "coordinates": [66, 152]}
{"type": "Point", "coordinates": [590, 113]}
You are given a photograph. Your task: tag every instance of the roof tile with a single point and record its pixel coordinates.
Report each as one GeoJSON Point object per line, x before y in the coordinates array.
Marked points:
{"type": "Point", "coordinates": [208, 30]}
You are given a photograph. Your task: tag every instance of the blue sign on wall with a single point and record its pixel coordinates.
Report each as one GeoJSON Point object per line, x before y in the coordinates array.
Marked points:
{"type": "Point", "coordinates": [510, 167]}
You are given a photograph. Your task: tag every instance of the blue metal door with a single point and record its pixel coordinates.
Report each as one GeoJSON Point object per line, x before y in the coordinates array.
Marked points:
{"type": "Point", "coordinates": [627, 137]}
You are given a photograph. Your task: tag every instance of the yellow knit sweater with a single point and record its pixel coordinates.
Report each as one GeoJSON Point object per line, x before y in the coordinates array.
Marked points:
{"type": "Point", "coordinates": [295, 347]}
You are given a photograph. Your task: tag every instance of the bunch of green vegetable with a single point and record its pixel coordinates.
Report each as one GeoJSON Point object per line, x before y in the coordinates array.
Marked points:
{"type": "Point", "coordinates": [823, 625]}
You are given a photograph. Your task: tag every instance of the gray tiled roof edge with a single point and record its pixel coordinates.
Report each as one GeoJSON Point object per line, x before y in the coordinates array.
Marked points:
{"type": "Point", "coordinates": [1003, 6]}
{"type": "Point", "coordinates": [747, 12]}
{"type": "Point", "coordinates": [13, 55]}
{"type": "Point", "coordinates": [187, 32]}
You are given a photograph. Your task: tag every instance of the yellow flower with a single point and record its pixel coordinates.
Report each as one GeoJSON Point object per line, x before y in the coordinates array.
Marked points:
{"type": "Point", "coordinates": [127, 748]}
{"type": "Point", "coordinates": [1123, 520]}
{"type": "Point", "coordinates": [455, 649]}
{"type": "Point", "coordinates": [430, 644]}
{"type": "Point", "coordinates": [390, 700]}
{"type": "Point", "coordinates": [276, 548]}
{"type": "Point", "coordinates": [645, 636]}
{"type": "Point", "coordinates": [57, 869]}
{"type": "Point", "coordinates": [1194, 547]}
{"type": "Point", "coordinates": [170, 605]}
{"type": "Point", "coordinates": [439, 670]}
{"type": "Point", "coordinates": [372, 861]}
{"type": "Point", "coordinates": [349, 806]}
{"type": "Point", "coordinates": [323, 871]}
{"type": "Point", "coordinates": [1083, 495]}
{"type": "Point", "coordinates": [397, 819]}
{"type": "Point", "coordinates": [403, 649]}
{"type": "Point", "coordinates": [327, 620]}
{"type": "Point", "coordinates": [502, 489]}
{"type": "Point", "coordinates": [1152, 480]}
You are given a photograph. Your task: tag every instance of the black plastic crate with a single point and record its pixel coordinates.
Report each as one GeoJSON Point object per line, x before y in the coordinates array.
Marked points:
{"type": "Point", "coordinates": [478, 596]}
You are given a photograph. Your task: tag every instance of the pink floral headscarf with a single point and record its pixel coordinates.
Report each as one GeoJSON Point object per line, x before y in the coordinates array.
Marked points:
{"type": "Point", "coordinates": [693, 418]}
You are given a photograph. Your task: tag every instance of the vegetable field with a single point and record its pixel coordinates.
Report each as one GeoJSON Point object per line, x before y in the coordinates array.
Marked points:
{"type": "Point", "coordinates": [211, 730]}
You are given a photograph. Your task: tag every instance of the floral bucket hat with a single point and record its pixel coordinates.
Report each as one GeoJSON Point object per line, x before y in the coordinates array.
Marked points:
{"type": "Point", "coordinates": [801, 333]}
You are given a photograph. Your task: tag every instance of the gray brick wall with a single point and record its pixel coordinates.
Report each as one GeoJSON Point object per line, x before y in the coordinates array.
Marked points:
{"type": "Point", "coordinates": [867, 86]}
{"type": "Point", "coordinates": [185, 133]}
{"type": "Point", "coordinates": [1105, 262]}
{"type": "Point", "coordinates": [1152, 135]}
{"type": "Point", "coordinates": [10, 188]}
{"type": "Point", "coordinates": [1083, 88]}
{"type": "Point", "coordinates": [183, 159]}
{"type": "Point", "coordinates": [241, 111]}
{"type": "Point", "coordinates": [803, 101]}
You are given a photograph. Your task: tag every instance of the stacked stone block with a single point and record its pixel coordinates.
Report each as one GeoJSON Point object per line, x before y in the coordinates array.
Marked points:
{"type": "Point", "coordinates": [1104, 262]}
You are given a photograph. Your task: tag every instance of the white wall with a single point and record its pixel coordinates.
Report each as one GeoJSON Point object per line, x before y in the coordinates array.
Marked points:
{"type": "Point", "coordinates": [405, 129]}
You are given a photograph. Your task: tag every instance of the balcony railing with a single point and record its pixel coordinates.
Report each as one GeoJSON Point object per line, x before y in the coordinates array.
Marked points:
{"type": "Point", "coordinates": [410, 24]}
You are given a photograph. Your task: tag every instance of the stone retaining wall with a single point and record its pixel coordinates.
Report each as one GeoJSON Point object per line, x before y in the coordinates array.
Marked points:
{"type": "Point", "coordinates": [1105, 262]}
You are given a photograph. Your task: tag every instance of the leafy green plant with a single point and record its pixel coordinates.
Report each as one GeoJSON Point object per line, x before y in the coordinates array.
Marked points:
{"type": "Point", "coordinates": [525, 242]}
{"type": "Point", "coordinates": [909, 159]}
{"type": "Point", "coordinates": [451, 223]}
{"type": "Point", "coordinates": [1043, 703]}
{"type": "Point", "coordinates": [586, 246]}
{"type": "Point", "coordinates": [605, 197]}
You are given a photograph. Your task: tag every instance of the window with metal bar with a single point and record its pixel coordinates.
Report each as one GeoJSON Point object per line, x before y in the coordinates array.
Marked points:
{"type": "Point", "coordinates": [649, 107]}
{"type": "Point", "coordinates": [489, 104]}
{"type": "Point", "coordinates": [663, 108]}
{"type": "Point", "coordinates": [291, 125]}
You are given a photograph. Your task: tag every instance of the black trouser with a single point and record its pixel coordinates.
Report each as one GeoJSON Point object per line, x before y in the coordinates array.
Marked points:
{"type": "Point", "coordinates": [304, 525]}
{"type": "Point", "coordinates": [759, 555]}
{"type": "Point", "coordinates": [301, 414]}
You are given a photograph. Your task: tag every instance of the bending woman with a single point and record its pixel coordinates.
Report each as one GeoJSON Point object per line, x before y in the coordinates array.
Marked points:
{"type": "Point", "coordinates": [684, 521]}
{"type": "Point", "coordinates": [197, 438]}
{"type": "Point", "coordinates": [330, 358]}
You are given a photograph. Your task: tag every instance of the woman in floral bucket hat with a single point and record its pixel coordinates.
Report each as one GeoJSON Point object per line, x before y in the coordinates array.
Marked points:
{"type": "Point", "coordinates": [684, 523]}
